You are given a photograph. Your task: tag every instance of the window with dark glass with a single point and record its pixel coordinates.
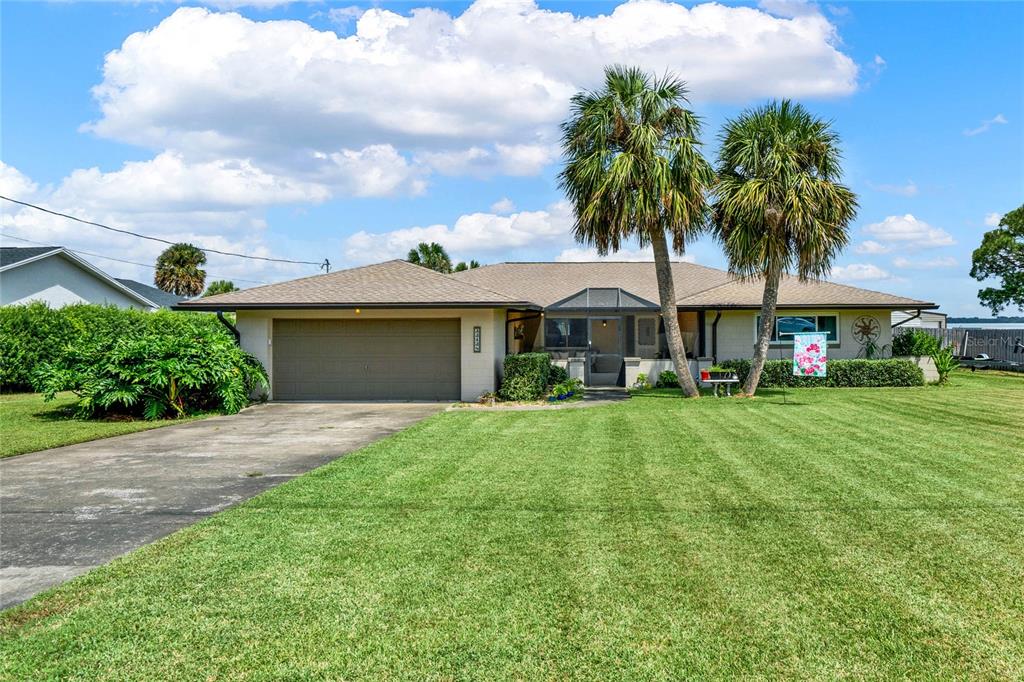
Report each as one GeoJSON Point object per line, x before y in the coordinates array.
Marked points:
{"type": "Point", "coordinates": [645, 332]}
{"type": "Point", "coordinates": [800, 324]}
{"type": "Point", "coordinates": [565, 332]}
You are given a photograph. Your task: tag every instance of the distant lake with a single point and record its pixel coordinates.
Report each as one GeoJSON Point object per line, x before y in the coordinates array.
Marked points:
{"type": "Point", "coordinates": [986, 325]}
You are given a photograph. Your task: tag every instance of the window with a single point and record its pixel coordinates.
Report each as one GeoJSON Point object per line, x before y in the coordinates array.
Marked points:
{"type": "Point", "coordinates": [645, 331]}
{"type": "Point", "coordinates": [566, 332]}
{"type": "Point", "coordinates": [797, 324]}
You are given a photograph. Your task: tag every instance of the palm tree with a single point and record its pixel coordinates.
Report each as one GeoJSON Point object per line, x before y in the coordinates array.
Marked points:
{"type": "Point", "coordinates": [462, 266]}
{"type": "Point", "coordinates": [634, 171]}
{"type": "Point", "coordinates": [220, 286]}
{"type": "Point", "coordinates": [778, 205]}
{"type": "Point", "coordinates": [178, 270]}
{"type": "Point", "coordinates": [431, 256]}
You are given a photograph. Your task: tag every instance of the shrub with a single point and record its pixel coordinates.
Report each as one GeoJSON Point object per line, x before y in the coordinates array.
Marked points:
{"type": "Point", "coordinates": [526, 376]}
{"type": "Point", "coordinates": [641, 381]}
{"type": "Point", "coordinates": [914, 342]}
{"type": "Point", "coordinates": [668, 379]}
{"type": "Point", "coordinates": [841, 373]}
{"type": "Point", "coordinates": [945, 362]}
{"type": "Point", "coordinates": [557, 374]}
{"type": "Point", "coordinates": [130, 362]}
{"type": "Point", "coordinates": [570, 388]}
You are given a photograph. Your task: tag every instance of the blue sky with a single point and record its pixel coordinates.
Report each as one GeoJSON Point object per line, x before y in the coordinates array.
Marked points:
{"type": "Point", "coordinates": [350, 132]}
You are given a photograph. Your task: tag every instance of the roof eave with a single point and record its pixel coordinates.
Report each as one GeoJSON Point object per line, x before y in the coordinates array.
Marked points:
{"type": "Point", "coordinates": [213, 306]}
{"type": "Point", "coordinates": [803, 306]}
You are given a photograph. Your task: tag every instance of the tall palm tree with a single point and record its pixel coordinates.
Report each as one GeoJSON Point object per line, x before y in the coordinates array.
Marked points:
{"type": "Point", "coordinates": [634, 171]}
{"type": "Point", "coordinates": [779, 206]}
{"type": "Point", "coordinates": [220, 286]}
{"type": "Point", "coordinates": [431, 256]}
{"type": "Point", "coordinates": [178, 270]}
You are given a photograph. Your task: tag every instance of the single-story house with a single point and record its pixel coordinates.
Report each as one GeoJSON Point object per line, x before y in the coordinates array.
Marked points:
{"type": "Point", "coordinates": [923, 319]}
{"type": "Point", "coordinates": [59, 277]}
{"type": "Point", "coordinates": [397, 331]}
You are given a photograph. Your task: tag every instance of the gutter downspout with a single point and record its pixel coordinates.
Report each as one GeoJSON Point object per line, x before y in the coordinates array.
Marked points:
{"type": "Point", "coordinates": [912, 317]}
{"type": "Point", "coordinates": [231, 328]}
{"type": "Point", "coordinates": [714, 337]}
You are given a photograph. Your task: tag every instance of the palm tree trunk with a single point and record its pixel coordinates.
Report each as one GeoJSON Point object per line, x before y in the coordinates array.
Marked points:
{"type": "Point", "coordinates": [669, 314]}
{"type": "Point", "coordinates": [769, 301]}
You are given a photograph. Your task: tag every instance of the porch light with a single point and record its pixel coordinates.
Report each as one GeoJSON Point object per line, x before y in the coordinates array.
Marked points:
{"type": "Point", "coordinates": [358, 311]}
{"type": "Point", "coordinates": [604, 323]}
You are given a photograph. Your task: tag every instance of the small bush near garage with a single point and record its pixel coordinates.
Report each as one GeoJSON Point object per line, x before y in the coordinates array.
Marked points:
{"type": "Point", "coordinates": [914, 342]}
{"type": "Point", "coordinates": [841, 374]}
{"type": "Point", "coordinates": [526, 376]}
{"type": "Point", "coordinates": [129, 363]}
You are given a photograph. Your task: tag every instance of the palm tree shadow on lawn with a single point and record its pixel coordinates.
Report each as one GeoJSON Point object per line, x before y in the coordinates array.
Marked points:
{"type": "Point", "coordinates": [765, 395]}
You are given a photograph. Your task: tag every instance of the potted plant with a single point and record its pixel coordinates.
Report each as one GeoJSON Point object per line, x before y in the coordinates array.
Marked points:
{"type": "Point", "coordinates": [721, 373]}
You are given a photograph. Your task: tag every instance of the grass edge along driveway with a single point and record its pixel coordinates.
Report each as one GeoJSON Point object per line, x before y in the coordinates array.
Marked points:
{"type": "Point", "coordinates": [29, 424]}
{"type": "Point", "coordinates": [864, 533]}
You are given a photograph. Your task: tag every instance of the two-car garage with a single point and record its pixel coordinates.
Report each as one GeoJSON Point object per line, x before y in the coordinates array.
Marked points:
{"type": "Point", "coordinates": [366, 359]}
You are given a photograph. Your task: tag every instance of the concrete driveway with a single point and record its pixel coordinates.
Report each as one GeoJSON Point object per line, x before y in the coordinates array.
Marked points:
{"type": "Point", "coordinates": [67, 510]}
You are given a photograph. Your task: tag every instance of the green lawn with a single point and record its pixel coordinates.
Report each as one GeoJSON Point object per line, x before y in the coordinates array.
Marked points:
{"type": "Point", "coordinates": [864, 533]}
{"type": "Point", "coordinates": [28, 424]}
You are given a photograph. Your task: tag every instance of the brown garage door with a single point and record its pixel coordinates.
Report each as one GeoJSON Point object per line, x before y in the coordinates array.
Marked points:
{"type": "Point", "coordinates": [366, 360]}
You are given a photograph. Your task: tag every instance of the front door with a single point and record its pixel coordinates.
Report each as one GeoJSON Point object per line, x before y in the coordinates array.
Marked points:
{"type": "Point", "coordinates": [605, 356]}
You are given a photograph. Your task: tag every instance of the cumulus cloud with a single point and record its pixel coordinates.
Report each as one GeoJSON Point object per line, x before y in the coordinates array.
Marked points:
{"type": "Point", "coordinates": [986, 125]}
{"type": "Point", "coordinates": [859, 272]}
{"type": "Point", "coordinates": [908, 231]}
{"type": "Point", "coordinates": [992, 219]}
{"type": "Point", "coordinates": [909, 189]}
{"type": "Point", "coordinates": [495, 78]}
{"type": "Point", "coordinates": [587, 255]}
{"type": "Point", "coordinates": [212, 205]}
{"type": "Point", "coordinates": [474, 235]}
{"type": "Point", "coordinates": [503, 159]}
{"type": "Point", "coordinates": [928, 264]}
{"type": "Point", "coordinates": [870, 246]}
{"type": "Point", "coordinates": [503, 206]}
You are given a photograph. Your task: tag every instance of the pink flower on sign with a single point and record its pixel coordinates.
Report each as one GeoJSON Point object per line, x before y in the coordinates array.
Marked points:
{"type": "Point", "coordinates": [809, 354]}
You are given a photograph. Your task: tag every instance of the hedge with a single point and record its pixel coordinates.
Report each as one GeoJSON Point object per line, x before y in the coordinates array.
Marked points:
{"type": "Point", "coordinates": [841, 374]}
{"type": "Point", "coordinates": [526, 376]}
{"type": "Point", "coordinates": [915, 342]}
{"type": "Point", "coordinates": [35, 334]}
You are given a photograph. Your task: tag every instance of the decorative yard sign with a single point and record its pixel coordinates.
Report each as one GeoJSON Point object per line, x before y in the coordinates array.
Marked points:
{"type": "Point", "coordinates": [810, 354]}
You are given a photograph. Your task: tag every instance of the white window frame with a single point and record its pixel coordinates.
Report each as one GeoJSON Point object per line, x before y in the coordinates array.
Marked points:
{"type": "Point", "coordinates": [789, 341]}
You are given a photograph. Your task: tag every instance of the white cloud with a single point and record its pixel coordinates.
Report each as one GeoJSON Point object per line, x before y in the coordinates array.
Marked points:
{"type": "Point", "coordinates": [15, 184]}
{"type": "Point", "coordinates": [929, 264]}
{"type": "Point", "coordinates": [906, 230]}
{"type": "Point", "coordinates": [503, 206]}
{"type": "Point", "coordinates": [871, 247]}
{"type": "Point", "coordinates": [587, 255]}
{"type": "Point", "coordinates": [906, 190]}
{"type": "Point", "coordinates": [998, 119]}
{"type": "Point", "coordinates": [343, 16]}
{"type": "Point", "coordinates": [859, 272]}
{"type": "Point", "coordinates": [992, 219]}
{"type": "Point", "coordinates": [503, 159]}
{"type": "Point", "coordinates": [474, 235]}
{"type": "Point", "coordinates": [496, 77]}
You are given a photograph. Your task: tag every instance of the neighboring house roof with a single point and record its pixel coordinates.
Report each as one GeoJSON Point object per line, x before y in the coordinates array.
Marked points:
{"type": "Point", "coordinates": [161, 298]}
{"type": "Point", "coordinates": [12, 257]}
{"type": "Point", "coordinates": [696, 286]}
{"type": "Point", "coordinates": [392, 284]}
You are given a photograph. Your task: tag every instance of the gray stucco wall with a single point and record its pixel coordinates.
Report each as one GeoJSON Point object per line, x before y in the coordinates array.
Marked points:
{"type": "Point", "coordinates": [59, 282]}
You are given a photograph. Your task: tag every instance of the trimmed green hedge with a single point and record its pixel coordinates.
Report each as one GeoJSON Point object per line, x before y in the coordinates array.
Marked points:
{"type": "Point", "coordinates": [526, 376]}
{"type": "Point", "coordinates": [841, 374]}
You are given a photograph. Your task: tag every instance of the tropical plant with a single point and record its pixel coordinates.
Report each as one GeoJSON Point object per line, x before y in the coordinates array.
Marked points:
{"type": "Point", "coordinates": [668, 379]}
{"type": "Point", "coordinates": [1001, 255]}
{"type": "Point", "coordinates": [634, 171]}
{"type": "Point", "coordinates": [945, 362]}
{"type": "Point", "coordinates": [463, 266]}
{"type": "Point", "coordinates": [220, 286]}
{"type": "Point", "coordinates": [914, 342]}
{"type": "Point", "coordinates": [179, 270]}
{"type": "Point", "coordinates": [779, 206]}
{"type": "Point", "coordinates": [431, 256]}
{"type": "Point", "coordinates": [872, 349]}
{"type": "Point", "coordinates": [641, 381]}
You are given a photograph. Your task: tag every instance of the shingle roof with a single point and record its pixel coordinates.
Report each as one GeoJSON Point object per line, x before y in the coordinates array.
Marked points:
{"type": "Point", "coordinates": [393, 283]}
{"type": "Point", "coordinates": [696, 285]}
{"type": "Point", "coordinates": [161, 298]}
{"type": "Point", "coordinates": [548, 283]}
{"type": "Point", "coordinates": [9, 255]}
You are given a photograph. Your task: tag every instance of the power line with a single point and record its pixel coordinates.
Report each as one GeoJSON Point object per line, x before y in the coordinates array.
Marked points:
{"type": "Point", "coordinates": [324, 265]}
{"type": "Point", "coordinates": [119, 260]}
